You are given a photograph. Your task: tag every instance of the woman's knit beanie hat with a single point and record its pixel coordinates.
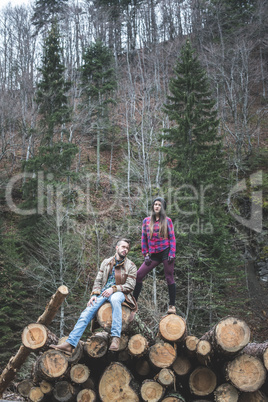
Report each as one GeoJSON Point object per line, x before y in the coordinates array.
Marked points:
{"type": "Point", "coordinates": [163, 202]}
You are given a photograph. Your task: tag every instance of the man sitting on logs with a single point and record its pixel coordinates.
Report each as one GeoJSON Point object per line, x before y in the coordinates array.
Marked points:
{"type": "Point", "coordinates": [114, 282]}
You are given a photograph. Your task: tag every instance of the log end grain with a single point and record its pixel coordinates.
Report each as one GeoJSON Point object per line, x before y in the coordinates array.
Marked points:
{"type": "Point", "coordinates": [162, 355]}
{"type": "Point", "coordinates": [191, 343]}
{"type": "Point", "coordinates": [137, 345]}
{"type": "Point", "coordinates": [203, 348]}
{"type": "Point", "coordinates": [34, 336]}
{"type": "Point", "coordinates": [36, 395]}
{"type": "Point", "coordinates": [96, 346]}
{"type": "Point", "coordinates": [116, 384]}
{"type": "Point", "coordinates": [52, 364]}
{"type": "Point", "coordinates": [104, 316]}
{"type": "Point", "coordinates": [151, 391]}
{"type": "Point", "coordinates": [79, 373]}
{"type": "Point", "coordinates": [165, 377]}
{"type": "Point", "coordinates": [202, 381]}
{"type": "Point", "coordinates": [86, 395]}
{"type": "Point", "coordinates": [226, 393]}
{"type": "Point", "coordinates": [172, 328]}
{"type": "Point", "coordinates": [246, 372]}
{"type": "Point", "coordinates": [182, 365]}
{"type": "Point", "coordinates": [232, 334]}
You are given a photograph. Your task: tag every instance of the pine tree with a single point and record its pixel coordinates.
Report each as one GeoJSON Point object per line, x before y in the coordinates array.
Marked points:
{"type": "Point", "coordinates": [47, 12]}
{"type": "Point", "coordinates": [98, 83]}
{"type": "Point", "coordinates": [195, 161]}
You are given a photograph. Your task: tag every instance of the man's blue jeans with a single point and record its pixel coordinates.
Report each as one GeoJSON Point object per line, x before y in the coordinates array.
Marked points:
{"type": "Point", "coordinates": [116, 299]}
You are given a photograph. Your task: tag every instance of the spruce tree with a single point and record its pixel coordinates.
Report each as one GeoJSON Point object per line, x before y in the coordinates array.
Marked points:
{"type": "Point", "coordinates": [98, 83]}
{"type": "Point", "coordinates": [195, 162]}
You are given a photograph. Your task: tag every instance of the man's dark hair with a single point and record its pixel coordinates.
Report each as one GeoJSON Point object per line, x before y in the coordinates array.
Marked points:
{"type": "Point", "coordinates": [125, 240]}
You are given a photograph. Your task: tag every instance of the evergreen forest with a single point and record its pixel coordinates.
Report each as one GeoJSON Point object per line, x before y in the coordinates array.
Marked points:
{"type": "Point", "coordinates": [106, 104]}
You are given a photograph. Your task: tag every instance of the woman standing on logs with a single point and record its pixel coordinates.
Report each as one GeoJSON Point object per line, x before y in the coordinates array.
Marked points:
{"type": "Point", "coordinates": [158, 245]}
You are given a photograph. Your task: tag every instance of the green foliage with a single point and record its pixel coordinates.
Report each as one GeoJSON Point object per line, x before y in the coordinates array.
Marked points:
{"type": "Point", "coordinates": [195, 161]}
{"type": "Point", "coordinates": [52, 88]}
{"type": "Point", "coordinates": [47, 11]}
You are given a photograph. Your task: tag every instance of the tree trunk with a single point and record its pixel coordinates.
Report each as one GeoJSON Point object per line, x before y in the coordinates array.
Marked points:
{"type": "Point", "coordinates": [137, 345]}
{"type": "Point", "coordinates": [79, 373]}
{"type": "Point", "coordinates": [24, 387]}
{"type": "Point", "coordinates": [182, 365]}
{"type": "Point", "coordinates": [104, 316]}
{"type": "Point", "coordinates": [229, 336]}
{"type": "Point", "coordinates": [16, 361]}
{"type": "Point", "coordinates": [247, 373]}
{"type": "Point", "coordinates": [35, 336]}
{"type": "Point", "coordinates": [202, 381]}
{"type": "Point", "coordinates": [116, 384]}
{"type": "Point", "coordinates": [165, 377]}
{"type": "Point", "coordinates": [226, 393]}
{"type": "Point", "coordinates": [86, 395]}
{"type": "Point", "coordinates": [152, 391]}
{"type": "Point", "coordinates": [162, 355]}
{"type": "Point", "coordinates": [259, 350]}
{"type": "Point", "coordinates": [64, 392]}
{"type": "Point", "coordinates": [51, 365]}
{"type": "Point", "coordinates": [256, 396]}
{"type": "Point", "coordinates": [172, 328]}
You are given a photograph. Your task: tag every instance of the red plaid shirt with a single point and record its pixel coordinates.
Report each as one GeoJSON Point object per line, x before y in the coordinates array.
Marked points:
{"type": "Point", "coordinates": [156, 244]}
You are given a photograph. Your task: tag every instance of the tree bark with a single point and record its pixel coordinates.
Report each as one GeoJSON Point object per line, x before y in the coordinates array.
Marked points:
{"type": "Point", "coordinates": [246, 372]}
{"type": "Point", "coordinates": [152, 391]}
{"type": "Point", "coordinates": [64, 392]}
{"type": "Point", "coordinates": [116, 384]}
{"type": "Point", "coordinates": [172, 328]}
{"type": "Point", "coordinates": [142, 367]}
{"type": "Point", "coordinates": [202, 381]}
{"type": "Point", "coordinates": [16, 361]}
{"type": "Point", "coordinates": [256, 396]}
{"type": "Point", "coordinates": [259, 350]}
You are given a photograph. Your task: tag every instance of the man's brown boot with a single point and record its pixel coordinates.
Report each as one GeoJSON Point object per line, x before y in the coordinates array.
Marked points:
{"type": "Point", "coordinates": [114, 344]}
{"type": "Point", "coordinates": [171, 310]}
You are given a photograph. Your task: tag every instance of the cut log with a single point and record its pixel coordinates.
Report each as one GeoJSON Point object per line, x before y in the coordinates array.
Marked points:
{"type": "Point", "coordinates": [86, 395]}
{"type": "Point", "coordinates": [182, 365]}
{"type": "Point", "coordinates": [202, 381]}
{"type": "Point", "coordinates": [256, 396]}
{"type": "Point", "coordinates": [64, 391]}
{"type": "Point", "coordinates": [137, 345]}
{"type": "Point", "coordinates": [96, 346]}
{"type": "Point", "coordinates": [246, 372]}
{"type": "Point", "coordinates": [104, 316]}
{"type": "Point", "coordinates": [35, 336]}
{"type": "Point", "coordinates": [46, 387]}
{"type": "Point", "coordinates": [191, 343]}
{"type": "Point", "coordinates": [165, 377]}
{"type": "Point", "coordinates": [123, 356]}
{"type": "Point", "coordinates": [79, 373]}
{"type": "Point", "coordinates": [229, 336]}
{"type": "Point", "coordinates": [203, 351]}
{"type": "Point", "coordinates": [172, 328]}
{"type": "Point", "coordinates": [142, 367]}
{"type": "Point", "coordinates": [16, 362]}
{"type": "Point", "coordinates": [51, 365]}
{"type": "Point", "coordinates": [174, 397]}
{"type": "Point", "coordinates": [152, 391]}
{"type": "Point", "coordinates": [259, 350]}
{"type": "Point", "coordinates": [226, 393]}
{"type": "Point", "coordinates": [36, 395]}
{"type": "Point", "coordinates": [116, 384]}
{"type": "Point", "coordinates": [24, 387]}
{"type": "Point", "coordinates": [162, 355]}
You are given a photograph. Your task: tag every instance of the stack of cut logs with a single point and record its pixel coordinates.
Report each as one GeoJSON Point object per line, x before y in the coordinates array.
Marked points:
{"type": "Point", "coordinates": [220, 366]}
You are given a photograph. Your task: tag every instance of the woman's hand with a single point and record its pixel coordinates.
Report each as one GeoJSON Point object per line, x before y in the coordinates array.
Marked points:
{"type": "Point", "coordinates": [147, 260]}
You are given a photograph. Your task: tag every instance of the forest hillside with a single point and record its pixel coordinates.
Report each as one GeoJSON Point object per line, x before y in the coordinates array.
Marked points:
{"type": "Point", "coordinates": [105, 105]}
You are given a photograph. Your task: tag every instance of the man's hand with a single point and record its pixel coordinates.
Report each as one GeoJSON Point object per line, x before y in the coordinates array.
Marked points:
{"type": "Point", "coordinates": [91, 301]}
{"type": "Point", "coordinates": [107, 292]}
